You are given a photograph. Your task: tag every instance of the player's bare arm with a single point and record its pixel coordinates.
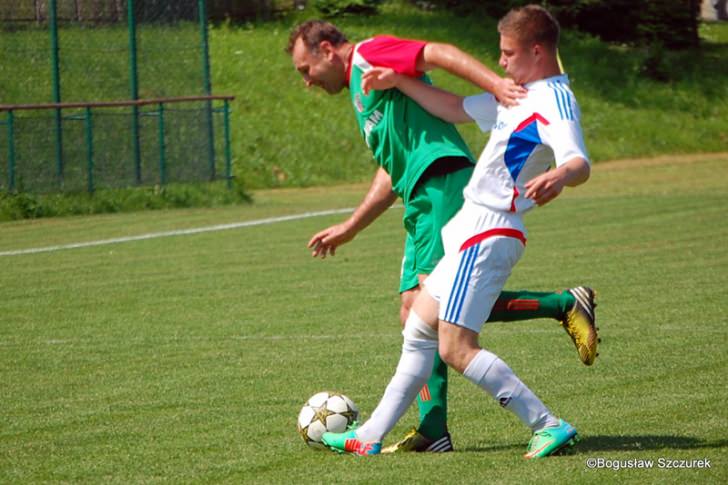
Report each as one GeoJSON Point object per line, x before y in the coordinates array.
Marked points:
{"type": "Point", "coordinates": [377, 200]}
{"type": "Point", "coordinates": [440, 103]}
{"type": "Point", "coordinates": [462, 64]}
{"type": "Point", "coordinates": [547, 186]}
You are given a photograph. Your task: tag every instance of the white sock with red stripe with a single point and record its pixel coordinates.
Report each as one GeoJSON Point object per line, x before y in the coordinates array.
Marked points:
{"type": "Point", "coordinates": [413, 370]}
{"type": "Point", "coordinates": [489, 372]}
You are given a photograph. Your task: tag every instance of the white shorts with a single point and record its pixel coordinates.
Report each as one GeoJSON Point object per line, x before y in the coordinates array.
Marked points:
{"type": "Point", "coordinates": [481, 249]}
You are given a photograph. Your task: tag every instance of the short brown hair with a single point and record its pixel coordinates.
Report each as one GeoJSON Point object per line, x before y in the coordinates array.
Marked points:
{"type": "Point", "coordinates": [531, 24]}
{"type": "Point", "coordinates": [313, 32]}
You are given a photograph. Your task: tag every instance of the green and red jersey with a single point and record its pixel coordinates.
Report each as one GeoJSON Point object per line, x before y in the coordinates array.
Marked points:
{"type": "Point", "coordinates": [403, 137]}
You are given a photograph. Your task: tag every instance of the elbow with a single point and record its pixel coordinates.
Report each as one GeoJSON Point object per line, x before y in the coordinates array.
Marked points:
{"type": "Point", "coordinates": [581, 173]}
{"type": "Point", "coordinates": [458, 115]}
{"type": "Point", "coordinates": [585, 171]}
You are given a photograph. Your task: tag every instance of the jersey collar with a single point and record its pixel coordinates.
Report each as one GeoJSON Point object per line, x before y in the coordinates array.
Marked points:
{"type": "Point", "coordinates": [559, 78]}
{"type": "Point", "coordinates": [348, 65]}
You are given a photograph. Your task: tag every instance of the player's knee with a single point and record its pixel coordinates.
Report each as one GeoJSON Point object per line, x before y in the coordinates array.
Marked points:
{"type": "Point", "coordinates": [404, 310]}
{"type": "Point", "coordinates": [416, 329]}
{"type": "Point", "coordinates": [407, 299]}
{"type": "Point", "coordinates": [447, 353]}
{"type": "Point", "coordinates": [454, 354]}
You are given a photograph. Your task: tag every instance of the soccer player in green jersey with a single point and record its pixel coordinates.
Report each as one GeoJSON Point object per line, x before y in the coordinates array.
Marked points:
{"type": "Point", "coordinates": [423, 160]}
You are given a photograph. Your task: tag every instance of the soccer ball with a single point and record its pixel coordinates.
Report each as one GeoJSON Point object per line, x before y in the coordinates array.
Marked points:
{"type": "Point", "coordinates": [325, 411]}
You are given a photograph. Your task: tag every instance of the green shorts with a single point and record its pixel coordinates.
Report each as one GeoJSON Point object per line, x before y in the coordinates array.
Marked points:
{"type": "Point", "coordinates": [432, 204]}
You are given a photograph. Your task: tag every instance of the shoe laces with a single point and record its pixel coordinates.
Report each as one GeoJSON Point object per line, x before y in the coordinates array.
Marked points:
{"type": "Point", "coordinates": [537, 436]}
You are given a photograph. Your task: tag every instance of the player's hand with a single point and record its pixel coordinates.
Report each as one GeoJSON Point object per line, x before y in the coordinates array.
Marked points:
{"type": "Point", "coordinates": [378, 78]}
{"type": "Point", "coordinates": [544, 188]}
{"type": "Point", "coordinates": [507, 92]}
{"type": "Point", "coordinates": [325, 242]}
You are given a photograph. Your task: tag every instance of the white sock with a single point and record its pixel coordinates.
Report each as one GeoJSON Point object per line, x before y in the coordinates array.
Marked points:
{"type": "Point", "coordinates": [413, 370]}
{"type": "Point", "coordinates": [488, 371]}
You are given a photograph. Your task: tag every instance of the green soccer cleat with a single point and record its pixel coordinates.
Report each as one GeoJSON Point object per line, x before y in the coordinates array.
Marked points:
{"type": "Point", "coordinates": [579, 324]}
{"type": "Point", "coordinates": [415, 441]}
{"type": "Point", "coordinates": [347, 442]}
{"type": "Point", "coordinates": [550, 440]}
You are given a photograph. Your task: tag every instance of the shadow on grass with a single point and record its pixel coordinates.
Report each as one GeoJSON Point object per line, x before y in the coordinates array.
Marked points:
{"type": "Point", "coordinates": [621, 443]}
{"type": "Point", "coordinates": [644, 442]}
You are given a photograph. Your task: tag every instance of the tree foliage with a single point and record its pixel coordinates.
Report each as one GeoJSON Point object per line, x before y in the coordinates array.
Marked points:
{"type": "Point", "coordinates": [672, 23]}
{"type": "Point", "coordinates": [332, 8]}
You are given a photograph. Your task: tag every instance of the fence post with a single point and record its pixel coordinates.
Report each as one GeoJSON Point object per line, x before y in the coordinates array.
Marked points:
{"type": "Point", "coordinates": [162, 148]}
{"type": "Point", "coordinates": [56, 79]}
{"type": "Point", "coordinates": [207, 84]}
{"type": "Point", "coordinates": [134, 87]}
{"type": "Point", "coordinates": [11, 151]}
{"type": "Point", "coordinates": [89, 149]}
{"type": "Point", "coordinates": [228, 151]}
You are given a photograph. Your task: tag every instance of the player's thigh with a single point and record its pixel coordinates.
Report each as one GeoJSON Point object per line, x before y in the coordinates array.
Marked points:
{"type": "Point", "coordinates": [467, 283]}
{"type": "Point", "coordinates": [407, 300]}
{"type": "Point", "coordinates": [408, 279]}
{"type": "Point", "coordinates": [432, 204]}
{"type": "Point", "coordinates": [442, 199]}
{"type": "Point", "coordinates": [417, 249]}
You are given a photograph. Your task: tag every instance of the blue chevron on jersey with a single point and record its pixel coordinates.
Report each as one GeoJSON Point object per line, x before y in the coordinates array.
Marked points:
{"type": "Point", "coordinates": [521, 144]}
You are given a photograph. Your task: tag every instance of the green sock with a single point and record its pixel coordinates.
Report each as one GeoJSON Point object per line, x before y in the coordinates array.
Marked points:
{"type": "Point", "coordinates": [513, 306]}
{"type": "Point", "coordinates": [432, 402]}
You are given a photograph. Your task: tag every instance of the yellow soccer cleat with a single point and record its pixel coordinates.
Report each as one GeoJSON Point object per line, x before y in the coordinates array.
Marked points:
{"type": "Point", "coordinates": [579, 324]}
{"type": "Point", "coordinates": [414, 441]}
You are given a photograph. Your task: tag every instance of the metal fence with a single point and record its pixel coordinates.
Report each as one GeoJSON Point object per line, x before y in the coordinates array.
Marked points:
{"type": "Point", "coordinates": [108, 93]}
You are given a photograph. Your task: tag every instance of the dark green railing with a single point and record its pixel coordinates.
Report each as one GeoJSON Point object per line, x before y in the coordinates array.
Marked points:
{"type": "Point", "coordinates": [87, 113]}
{"type": "Point", "coordinates": [110, 54]}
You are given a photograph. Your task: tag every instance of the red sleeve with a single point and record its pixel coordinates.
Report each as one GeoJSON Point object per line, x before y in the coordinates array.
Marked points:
{"type": "Point", "coordinates": [398, 54]}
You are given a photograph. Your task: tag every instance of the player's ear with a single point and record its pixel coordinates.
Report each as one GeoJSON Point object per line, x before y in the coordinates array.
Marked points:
{"type": "Point", "coordinates": [326, 49]}
{"type": "Point", "coordinates": [537, 50]}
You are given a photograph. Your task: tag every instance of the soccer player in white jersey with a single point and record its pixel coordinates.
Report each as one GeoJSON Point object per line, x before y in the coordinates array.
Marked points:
{"type": "Point", "coordinates": [487, 237]}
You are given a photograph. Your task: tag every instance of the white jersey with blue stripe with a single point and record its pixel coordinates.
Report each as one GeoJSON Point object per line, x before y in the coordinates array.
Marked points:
{"type": "Point", "coordinates": [544, 128]}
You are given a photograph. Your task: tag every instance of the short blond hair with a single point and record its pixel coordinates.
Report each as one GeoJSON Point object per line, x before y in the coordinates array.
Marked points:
{"type": "Point", "coordinates": [531, 24]}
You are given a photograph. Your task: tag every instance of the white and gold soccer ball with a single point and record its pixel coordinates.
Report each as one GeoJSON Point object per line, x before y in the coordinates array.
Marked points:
{"type": "Point", "coordinates": [325, 411]}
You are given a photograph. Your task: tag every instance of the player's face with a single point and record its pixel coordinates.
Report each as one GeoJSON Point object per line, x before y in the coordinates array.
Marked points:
{"type": "Point", "coordinates": [517, 59]}
{"type": "Point", "coordinates": [321, 68]}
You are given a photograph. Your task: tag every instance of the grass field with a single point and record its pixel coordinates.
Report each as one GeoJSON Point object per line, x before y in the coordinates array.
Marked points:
{"type": "Point", "coordinates": [186, 359]}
